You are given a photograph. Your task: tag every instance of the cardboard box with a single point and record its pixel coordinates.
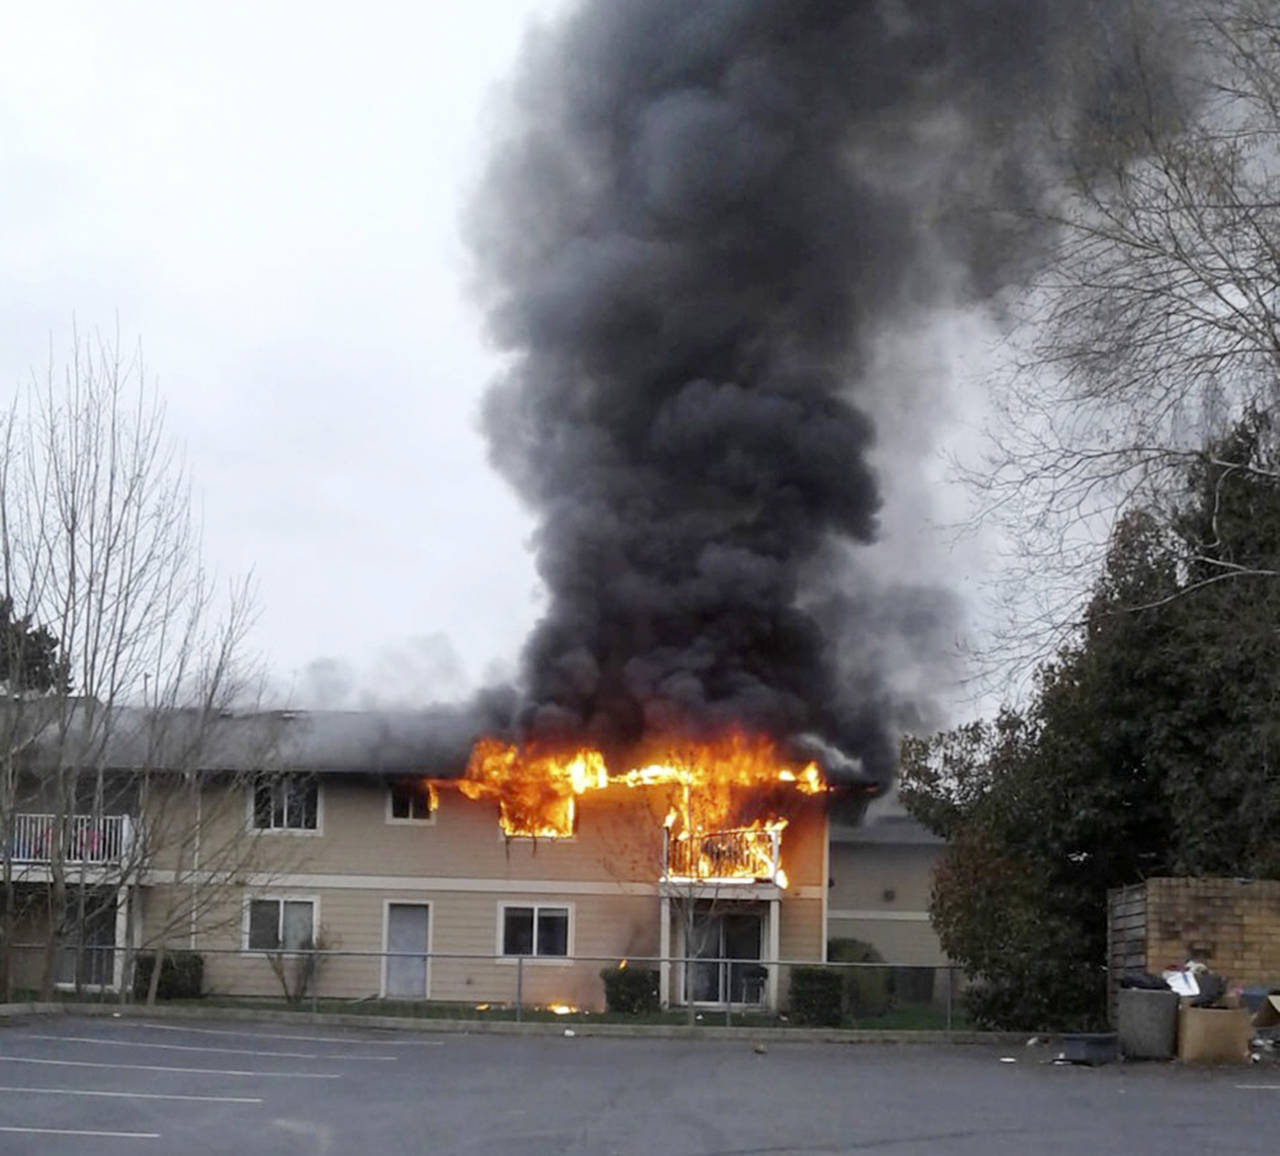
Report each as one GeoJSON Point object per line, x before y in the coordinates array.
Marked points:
{"type": "Point", "coordinates": [1268, 1014]}
{"type": "Point", "coordinates": [1211, 1035]}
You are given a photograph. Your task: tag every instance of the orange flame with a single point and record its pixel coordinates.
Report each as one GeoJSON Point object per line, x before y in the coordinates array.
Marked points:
{"type": "Point", "coordinates": [726, 801]}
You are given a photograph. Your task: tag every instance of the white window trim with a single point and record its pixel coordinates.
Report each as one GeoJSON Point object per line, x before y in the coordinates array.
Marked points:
{"type": "Point", "coordinates": [391, 821]}
{"type": "Point", "coordinates": [281, 898]}
{"type": "Point", "coordinates": [565, 960]}
{"type": "Point", "coordinates": [387, 904]}
{"type": "Point", "coordinates": [296, 832]}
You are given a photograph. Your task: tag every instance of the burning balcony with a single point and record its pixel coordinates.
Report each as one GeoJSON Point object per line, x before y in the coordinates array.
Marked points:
{"type": "Point", "coordinates": [742, 855]}
{"type": "Point", "coordinates": [87, 840]}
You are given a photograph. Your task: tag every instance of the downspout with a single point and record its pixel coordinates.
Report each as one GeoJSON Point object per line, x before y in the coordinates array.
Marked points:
{"type": "Point", "coordinates": [195, 861]}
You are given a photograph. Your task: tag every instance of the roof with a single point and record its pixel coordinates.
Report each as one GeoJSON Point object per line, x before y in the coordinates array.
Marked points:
{"type": "Point", "coordinates": [435, 741]}
{"type": "Point", "coordinates": [898, 830]}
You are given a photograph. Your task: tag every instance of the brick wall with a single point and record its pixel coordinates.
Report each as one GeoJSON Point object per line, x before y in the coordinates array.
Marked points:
{"type": "Point", "coordinates": [1231, 925]}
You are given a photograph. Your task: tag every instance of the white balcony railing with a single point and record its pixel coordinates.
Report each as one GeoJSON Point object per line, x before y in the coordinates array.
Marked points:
{"type": "Point", "coordinates": [745, 855]}
{"type": "Point", "coordinates": [87, 839]}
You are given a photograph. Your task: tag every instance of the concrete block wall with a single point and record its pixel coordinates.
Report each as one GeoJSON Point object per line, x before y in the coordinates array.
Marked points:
{"type": "Point", "coordinates": [1231, 925]}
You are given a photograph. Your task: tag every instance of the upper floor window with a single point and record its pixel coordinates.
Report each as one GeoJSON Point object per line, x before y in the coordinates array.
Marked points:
{"type": "Point", "coordinates": [286, 803]}
{"type": "Point", "coordinates": [411, 801]}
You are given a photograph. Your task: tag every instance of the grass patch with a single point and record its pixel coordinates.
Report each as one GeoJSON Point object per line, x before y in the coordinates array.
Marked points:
{"type": "Point", "coordinates": [916, 1018]}
{"type": "Point", "coordinates": [910, 1018]}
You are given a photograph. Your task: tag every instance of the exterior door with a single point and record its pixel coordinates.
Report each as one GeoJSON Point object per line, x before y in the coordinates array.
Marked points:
{"type": "Point", "coordinates": [87, 957]}
{"type": "Point", "coordinates": [407, 927]}
{"type": "Point", "coordinates": [717, 937]}
{"type": "Point", "coordinates": [704, 975]}
{"type": "Point", "coordinates": [742, 941]}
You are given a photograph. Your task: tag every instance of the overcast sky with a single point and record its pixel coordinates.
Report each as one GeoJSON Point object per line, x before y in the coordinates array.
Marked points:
{"type": "Point", "coordinates": [268, 195]}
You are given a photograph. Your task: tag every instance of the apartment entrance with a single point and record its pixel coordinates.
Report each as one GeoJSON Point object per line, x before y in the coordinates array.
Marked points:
{"type": "Point", "coordinates": [717, 936]}
{"type": "Point", "coordinates": [87, 956]}
{"type": "Point", "coordinates": [408, 939]}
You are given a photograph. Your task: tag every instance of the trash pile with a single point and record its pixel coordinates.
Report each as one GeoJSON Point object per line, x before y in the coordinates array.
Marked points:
{"type": "Point", "coordinates": [1195, 1014]}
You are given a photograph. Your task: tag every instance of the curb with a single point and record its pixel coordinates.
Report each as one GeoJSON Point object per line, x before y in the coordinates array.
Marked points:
{"type": "Point", "coordinates": [10, 1010]}
{"type": "Point", "coordinates": [510, 1028]}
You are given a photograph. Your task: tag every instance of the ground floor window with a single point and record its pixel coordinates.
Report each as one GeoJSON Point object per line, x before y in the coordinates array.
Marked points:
{"type": "Point", "coordinates": [281, 923]}
{"type": "Point", "coordinates": [535, 930]}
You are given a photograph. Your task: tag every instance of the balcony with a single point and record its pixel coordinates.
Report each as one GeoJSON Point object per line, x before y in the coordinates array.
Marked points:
{"type": "Point", "coordinates": [744, 855]}
{"type": "Point", "coordinates": [90, 841]}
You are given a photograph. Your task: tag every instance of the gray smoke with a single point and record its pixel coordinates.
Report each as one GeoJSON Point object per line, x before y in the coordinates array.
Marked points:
{"type": "Point", "coordinates": [699, 215]}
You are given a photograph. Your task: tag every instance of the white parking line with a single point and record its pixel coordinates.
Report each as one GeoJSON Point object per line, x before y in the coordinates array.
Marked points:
{"type": "Point", "coordinates": [303, 1039]}
{"type": "Point", "coordinates": [1260, 1087]}
{"type": "Point", "coordinates": [129, 1095]}
{"type": "Point", "coordinates": [157, 1068]}
{"type": "Point", "coordinates": [194, 1048]}
{"type": "Point", "coordinates": [82, 1132]}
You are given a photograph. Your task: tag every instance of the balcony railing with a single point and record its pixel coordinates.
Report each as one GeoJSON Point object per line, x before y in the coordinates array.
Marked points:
{"type": "Point", "coordinates": [87, 839]}
{"type": "Point", "coordinates": [745, 855]}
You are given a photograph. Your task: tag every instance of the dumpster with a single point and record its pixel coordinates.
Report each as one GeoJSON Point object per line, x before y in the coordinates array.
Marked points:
{"type": "Point", "coordinates": [1148, 1023]}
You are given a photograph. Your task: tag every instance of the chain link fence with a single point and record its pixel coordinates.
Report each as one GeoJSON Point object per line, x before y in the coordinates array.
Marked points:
{"type": "Point", "coordinates": [474, 986]}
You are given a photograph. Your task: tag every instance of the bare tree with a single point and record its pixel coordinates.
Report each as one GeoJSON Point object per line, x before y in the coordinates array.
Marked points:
{"type": "Point", "coordinates": [98, 546]}
{"type": "Point", "coordinates": [1156, 325]}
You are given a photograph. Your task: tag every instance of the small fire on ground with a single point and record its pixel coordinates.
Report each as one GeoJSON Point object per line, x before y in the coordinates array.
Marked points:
{"type": "Point", "coordinates": [725, 802]}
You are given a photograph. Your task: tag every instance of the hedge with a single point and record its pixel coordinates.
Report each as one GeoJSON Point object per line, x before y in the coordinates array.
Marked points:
{"type": "Point", "coordinates": [630, 990]}
{"type": "Point", "coordinates": [866, 989]}
{"type": "Point", "coordinates": [817, 996]}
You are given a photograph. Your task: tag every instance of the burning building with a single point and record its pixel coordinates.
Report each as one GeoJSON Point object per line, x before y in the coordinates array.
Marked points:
{"type": "Point", "coordinates": [697, 221]}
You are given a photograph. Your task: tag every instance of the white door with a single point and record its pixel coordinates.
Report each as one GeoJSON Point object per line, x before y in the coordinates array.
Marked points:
{"type": "Point", "coordinates": [407, 925]}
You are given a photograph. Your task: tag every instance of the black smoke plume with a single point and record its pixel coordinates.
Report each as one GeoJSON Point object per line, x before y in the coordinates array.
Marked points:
{"type": "Point", "coordinates": [698, 215]}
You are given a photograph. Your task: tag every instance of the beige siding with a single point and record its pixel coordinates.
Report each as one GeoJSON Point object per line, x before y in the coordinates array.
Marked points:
{"type": "Point", "coordinates": [617, 838]}
{"type": "Point", "coordinates": [863, 875]}
{"type": "Point", "coordinates": [463, 868]}
{"type": "Point", "coordinates": [863, 872]}
{"type": "Point", "coordinates": [31, 930]}
{"type": "Point", "coordinates": [908, 943]}
{"type": "Point", "coordinates": [802, 844]}
{"type": "Point", "coordinates": [800, 932]}
{"type": "Point", "coordinates": [604, 928]}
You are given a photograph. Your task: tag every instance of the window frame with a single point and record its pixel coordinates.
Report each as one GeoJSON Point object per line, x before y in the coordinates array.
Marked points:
{"type": "Point", "coordinates": [281, 779]}
{"type": "Point", "coordinates": [280, 899]}
{"type": "Point", "coordinates": [535, 906]}
{"type": "Point", "coordinates": [392, 821]}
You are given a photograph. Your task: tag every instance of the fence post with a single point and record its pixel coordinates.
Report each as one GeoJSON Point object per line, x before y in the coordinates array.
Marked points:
{"type": "Point", "coordinates": [519, 988]}
{"type": "Point", "coordinates": [951, 979]}
{"type": "Point", "coordinates": [315, 964]}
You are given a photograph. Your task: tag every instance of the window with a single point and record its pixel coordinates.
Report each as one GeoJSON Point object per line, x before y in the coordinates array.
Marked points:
{"type": "Point", "coordinates": [281, 923]}
{"type": "Point", "coordinates": [411, 801]}
{"type": "Point", "coordinates": [286, 803]}
{"type": "Point", "coordinates": [535, 931]}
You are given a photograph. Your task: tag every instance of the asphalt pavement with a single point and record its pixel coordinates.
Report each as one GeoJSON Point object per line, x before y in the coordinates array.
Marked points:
{"type": "Point", "coordinates": [71, 1085]}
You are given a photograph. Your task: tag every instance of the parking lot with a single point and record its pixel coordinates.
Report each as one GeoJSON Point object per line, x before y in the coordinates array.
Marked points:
{"type": "Point", "coordinates": [103, 1085]}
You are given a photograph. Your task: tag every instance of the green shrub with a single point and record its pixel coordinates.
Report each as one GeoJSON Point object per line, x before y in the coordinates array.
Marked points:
{"type": "Point", "coordinates": [181, 975]}
{"type": "Point", "coordinates": [817, 996]}
{"type": "Point", "coordinates": [630, 990]}
{"type": "Point", "coordinates": [866, 989]}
